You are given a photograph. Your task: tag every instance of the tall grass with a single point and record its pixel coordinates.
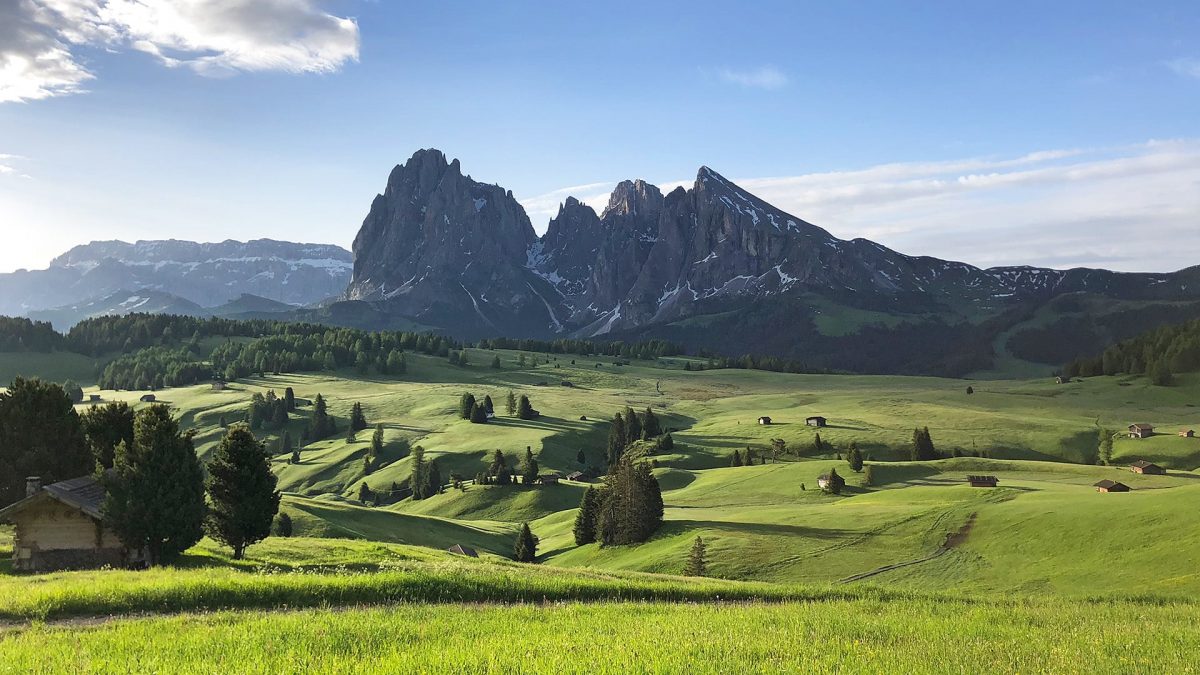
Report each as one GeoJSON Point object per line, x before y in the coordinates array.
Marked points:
{"type": "Point", "coordinates": [846, 636]}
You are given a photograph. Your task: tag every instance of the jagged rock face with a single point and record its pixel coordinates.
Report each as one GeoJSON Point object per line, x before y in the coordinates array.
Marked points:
{"type": "Point", "coordinates": [448, 251]}
{"type": "Point", "coordinates": [207, 274]}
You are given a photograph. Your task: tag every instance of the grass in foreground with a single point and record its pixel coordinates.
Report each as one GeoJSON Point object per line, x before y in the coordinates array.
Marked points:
{"type": "Point", "coordinates": [856, 635]}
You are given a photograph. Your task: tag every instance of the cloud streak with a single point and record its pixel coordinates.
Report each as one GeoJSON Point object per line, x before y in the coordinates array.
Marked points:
{"type": "Point", "coordinates": [764, 77]}
{"type": "Point", "coordinates": [1134, 208]}
{"type": "Point", "coordinates": [40, 40]}
{"type": "Point", "coordinates": [1186, 67]}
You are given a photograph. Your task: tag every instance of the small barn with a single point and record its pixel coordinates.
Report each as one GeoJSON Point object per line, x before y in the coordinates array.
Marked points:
{"type": "Point", "coordinates": [823, 481]}
{"type": "Point", "coordinates": [1061, 380]}
{"type": "Point", "coordinates": [93, 398]}
{"type": "Point", "coordinates": [1140, 430]}
{"type": "Point", "coordinates": [1148, 468]}
{"type": "Point", "coordinates": [983, 481]}
{"type": "Point", "coordinates": [1111, 486]}
{"type": "Point", "coordinates": [764, 420]}
{"type": "Point", "coordinates": [815, 421]}
{"type": "Point", "coordinates": [577, 476]}
{"type": "Point", "coordinates": [1187, 433]}
{"type": "Point", "coordinates": [149, 398]}
{"type": "Point", "coordinates": [549, 479]}
{"type": "Point", "coordinates": [459, 549]}
{"type": "Point", "coordinates": [60, 527]}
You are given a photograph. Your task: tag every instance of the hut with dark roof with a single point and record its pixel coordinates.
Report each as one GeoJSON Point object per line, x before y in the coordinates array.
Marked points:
{"type": "Point", "coordinates": [1148, 468]}
{"type": "Point", "coordinates": [1111, 486]}
{"type": "Point", "coordinates": [60, 526]}
{"type": "Point", "coordinates": [459, 549]}
{"type": "Point", "coordinates": [983, 481]}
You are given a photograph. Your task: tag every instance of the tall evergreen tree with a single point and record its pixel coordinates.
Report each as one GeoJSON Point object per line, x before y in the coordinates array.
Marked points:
{"type": "Point", "coordinates": [818, 446]}
{"type": "Point", "coordinates": [737, 458]}
{"type": "Point", "coordinates": [697, 562]}
{"type": "Point", "coordinates": [105, 426]}
{"type": "Point", "coordinates": [585, 520]}
{"type": "Point", "coordinates": [377, 441]}
{"type": "Point", "coordinates": [525, 549]}
{"type": "Point", "coordinates": [419, 478]}
{"type": "Point", "coordinates": [580, 458]}
{"type": "Point", "coordinates": [73, 390]}
{"type": "Point", "coordinates": [529, 468]}
{"type": "Point", "coordinates": [433, 479]}
{"type": "Point", "coordinates": [510, 404]}
{"type": "Point", "coordinates": [835, 484]}
{"type": "Point", "coordinates": [616, 440]}
{"type": "Point", "coordinates": [358, 421]}
{"type": "Point", "coordinates": [499, 470]}
{"type": "Point", "coordinates": [487, 405]}
{"type": "Point", "coordinates": [466, 405]}
{"type": "Point", "coordinates": [651, 427]}
{"type": "Point", "coordinates": [854, 457]}
{"type": "Point", "coordinates": [320, 426]}
{"type": "Point", "coordinates": [524, 409]}
{"type": "Point", "coordinates": [632, 508]}
{"type": "Point", "coordinates": [283, 525]}
{"type": "Point", "coordinates": [666, 443]}
{"type": "Point", "coordinates": [155, 492]}
{"type": "Point", "coordinates": [40, 435]}
{"type": "Point", "coordinates": [364, 493]}
{"type": "Point", "coordinates": [479, 414]}
{"type": "Point", "coordinates": [633, 426]}
{"type": "Point", "coordinates": [496, 362]}
{"type": "Point", "coordinates": [241, 491]}
{"type": "Point", "coordinates": [289, 399]}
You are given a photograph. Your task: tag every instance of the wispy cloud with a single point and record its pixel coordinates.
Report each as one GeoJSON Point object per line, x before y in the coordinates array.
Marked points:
{"type": "Point", "coordinates": [1132, 207]}
{"type": "Point", "coordinates": [541, 208]}
{"type": "Point", "coordinates": [764, 77]}
{"type": "Point", "coordinates": [8, 166]}
{"type": "Point", "coordinates": [1187, 67]}
{"type": "Point", "coordinates": [40, 39]}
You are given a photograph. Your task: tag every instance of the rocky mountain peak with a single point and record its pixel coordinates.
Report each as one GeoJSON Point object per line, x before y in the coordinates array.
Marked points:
{"type": "Point", "coordinates": [634, 198]}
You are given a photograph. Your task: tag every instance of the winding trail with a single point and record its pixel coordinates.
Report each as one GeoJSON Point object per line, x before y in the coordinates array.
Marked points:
{"type": "Point", "coordinates": [953, 540]}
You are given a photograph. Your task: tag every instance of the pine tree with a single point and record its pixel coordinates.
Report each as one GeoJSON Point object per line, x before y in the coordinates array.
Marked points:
{"type": "Point", "coordinates": [525, 411]}
{"type": "Point", "coordinates": [289, 399]}
{"type": "Point", "coordinates": [433, 480]}
{"type": "Point", "coordinates": [487, 405]}
{"type": "Point", "coordinates": [499, 468]}
{"type": "Point", "coordinates": [466, 405]}
{"type": "Point", "coordinates": [869, 475]}
{"type": "Point", "coordinates": [462, 358]}
{"type": "Point", "coordinates": [736, 460]}
{"type": "Point", "coordinates": [396, 363]}
{"type": "Point", "coordinates": [320, 426]}
{"type": "Point", "coordinates": [585, 520]}
{"type": "Point", "coordinates": [818, 446]}
{"type": "Point", "coordinates": [525, 549]}
{"type": "Point", "coordinates": [73, 390]}
{"type": "Point", "coordinates": [632, 508]}
{"type": "Point", "coordinates": [419, 478]}
{"type": "Point", "coordinates": [283, 525]}
{"type": "Point", "coordinates": [666, 443]}
{"type": "Point", "coordinates": [364, 493]}
{"type": "Point", "coordinates": [510, 404]}
{"type": "Point", "coordinates": [616, 440]}
{"type": "Point", "coordinates": [651, 427]}
{"type": "Point", "coordinates": [295, 457]}
{"type": "Point", "coordinates": [496, 362]}
{"type": "Point", "coordinates": [155, 493]}
{"type": "Point", "coordinates": [358, 421]}
{"type": "Point", "coordinates": [479, 414]}
{"type": "Point", "coordinates": [633, 426]}
{"type": "Point", "coordinates": [836, 483]}
{"type": "Point", "coordinates": [529, 468]}
{"type": "Point", "coordinates": [377, 442]}
{"type": "Point", "coordinates": [854, 457]}
{"type": "Point", "coordinates": [241, 491]}
{"type": "Point", "coordinates": [105, 426]}
{"type": "Point", "coordinates": [697, 563]}
{"type": "Point", "coordinates": [580, 458]}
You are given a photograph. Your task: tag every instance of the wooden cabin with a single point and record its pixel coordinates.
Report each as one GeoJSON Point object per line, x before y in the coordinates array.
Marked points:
{"type": "Point", "coordinates": [1147, 468]}
{"type": "Point", "coordinates": [764, 420]}
{"type": "Point", "coordinates": [983, 481]}
{"type": "Point", "coordinates": [577, 476]}
{"type": "Point", "coordinates": [815, 421]}
{"type": "Point", "coordinates": [1111, 486]}
{"type": "Point", "coordinates": [548, 479]}
{"type": "Point", "coordinates": [1140, 431]}
{"type": "Point", "coordinates": [1187, 433]}
{"type": "Point", "coordinates": [60, 527]}
{"type": "Point", "coordinates": [148, 398]}
{"type": "Point", "coordinates": [459, 549]}
{"type": "Point", "coordinates": [93, 398]}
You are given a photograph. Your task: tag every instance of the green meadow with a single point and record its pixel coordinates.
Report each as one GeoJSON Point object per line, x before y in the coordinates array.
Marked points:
{"type": "Point", "coordinates": [909, 570]}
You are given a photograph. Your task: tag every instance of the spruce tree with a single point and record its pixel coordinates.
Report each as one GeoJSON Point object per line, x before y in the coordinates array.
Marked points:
{"type": "Point", "coordinates": [364, 493]}
{"type": "Point", "coordinates": [105, 426]}
{"type": "Point", "coordinates": [155, 492]}
{"type": "Point", "coordinates": [241, 491]}
{"type": "Point", "coordinates": [433, 479]}
{"type": "Point", "coordinates": [580, 458]}
{"type": "Point", "coordinates": [289, 399]}
{"type": "Point", "coordinates": [377, 441]}
{"type": "Point", "coordinates": [736, 460]}
{"type": "Point", "coordinates": [836, 483]}
{"type": "Point", "coordinates": [632, 508]}
{"type": "Point", "coordinates": [283, 525]}
{"type": "Point", "coordinates": [529, 468]}
{"type": "Point", "coordinates": [585, 520]}
{"type": "Point", "coordinates": [666, 443]}
{"type": "Point", "coordinates": [466, 405]}
{"type": "Point", "coordinates": [40, 435]}
{"type": "Point", "coordinates": [651, 427]}
{"type": "Point", "coordinates": [358, 421]}
{"type": "Point", "coordinates": [854, 457]}
{"type": "Point", "coordinates": [419, 478]}
{"type": "Point", "coordinates": [487, 405]}
{"type": "Point", "coordinates": [633, 427]}
{"type": "Point", "coordinates": [496, 362]}
{"type": "Point", "coordinates": [510, 404]}
{"type": "Point", "coordinates": [697, 563]}
{"type": "Point", "coordinates": [818, 446]}
{"type": "Point", "coordinates": [869, 475]}
{"type": "Point", "coordinates": [524, 409]}
{"type": "Point", "coordinates": [295, 457]}
{"type": "Point", "coordinates": [616, 440]}
{"type": "Point", "coordinates": [525, 549]}
{"type": "Point", "coordinates": [479, 414]}
{"type": "Point", "coordinates": [320, 426]}
{"type": "Point", "coordinates": [498, 469]}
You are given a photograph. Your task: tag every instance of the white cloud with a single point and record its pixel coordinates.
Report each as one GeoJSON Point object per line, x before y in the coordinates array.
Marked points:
{"type": "Point", "coordinates": [40, 39]}
{"type": "Point", "coordinates": [8, 166]}
{"type": "Point", "coordinates": [1127, 208]}
{"type": "Point", "coordinates": [764, 77]}
{"type": "Point", "coordinates": [1187, 67]}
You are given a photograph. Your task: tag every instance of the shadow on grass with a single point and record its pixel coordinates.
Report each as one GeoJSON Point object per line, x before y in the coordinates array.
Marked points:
{"type": "Point", "coordinates": [735, 527]}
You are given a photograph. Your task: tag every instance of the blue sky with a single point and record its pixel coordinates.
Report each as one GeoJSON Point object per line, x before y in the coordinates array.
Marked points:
{"type": "Point", "coordinates": [991, 132]}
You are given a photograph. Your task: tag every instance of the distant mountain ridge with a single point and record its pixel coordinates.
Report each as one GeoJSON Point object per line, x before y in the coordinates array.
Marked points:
{"type": "Point", "coordinates": [711, 265]}
{"type": "Point", "coordinates": [204, 274]}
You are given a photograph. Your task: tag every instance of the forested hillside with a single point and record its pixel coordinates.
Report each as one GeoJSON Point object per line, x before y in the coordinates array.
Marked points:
{"type": "Point", "coordinates": [1159, 353]}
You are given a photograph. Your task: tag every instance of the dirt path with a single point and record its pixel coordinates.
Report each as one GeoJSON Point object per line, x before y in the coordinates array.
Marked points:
{"type": "Point", "coordinates": [953, 540]}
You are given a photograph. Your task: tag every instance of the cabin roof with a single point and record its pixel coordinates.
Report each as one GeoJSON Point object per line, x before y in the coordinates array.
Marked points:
{"type": "Point", "coordinates": [84, 493]}
{"type": "Point", "coordinates": [983, 479]}
{"type": "Point", "coordinates": [1142, 426]}
{"type": "Point", "coordinates": [1143, 464]}
{"type": "Point", "coordinates": [463, 550]}
{"type": "Point", "coordinates": [1109, 484]}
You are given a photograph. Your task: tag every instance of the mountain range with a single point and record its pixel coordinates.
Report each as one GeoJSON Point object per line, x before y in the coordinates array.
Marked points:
{"type": "Point", "coordinates": [715, 267]}
{"type": "Point", "coordinates": [115, 277]}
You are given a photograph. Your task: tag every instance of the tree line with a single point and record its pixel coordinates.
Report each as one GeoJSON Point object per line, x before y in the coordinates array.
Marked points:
{"type": "Point", "coordinates": [1158, 354]}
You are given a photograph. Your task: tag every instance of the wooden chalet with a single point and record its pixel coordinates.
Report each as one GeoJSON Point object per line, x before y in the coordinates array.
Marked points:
{"type": "Point", "coordinates": [1147, 468]}
{"type": "Point", "coordinates": [548, 479]}
{"type": "Point", "coordinates": [1140, 430]}
{"type": "Point", "coordinates": [1187, 433]}
{"type": "Point", "coordinates": [578, 476]}
{"type": "Point", "coordinates": [815, 421]}
{"type": "Point", "coordinates": [764, 420]}
{"type": "Point", "coordinates": [60, 527]}
{"type": "Point", "coordinates": [1111, 486]}
{"type": "Point", "coordinates": [983, 481]}
{"type": "Point", "coordinates": [459, 549]}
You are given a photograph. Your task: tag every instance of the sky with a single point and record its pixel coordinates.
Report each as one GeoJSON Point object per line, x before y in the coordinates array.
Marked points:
{"type": "Point", "coordinates": [997, 133]}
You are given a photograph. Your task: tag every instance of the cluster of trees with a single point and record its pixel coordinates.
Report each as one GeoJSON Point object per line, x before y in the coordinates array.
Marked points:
{"type": "Point", "coordinates": [426, 477]}
{"type": "Point", "coordinates": [834, 483]}
{"type": "Point", "coordinates": [499, 472]}
{"type": "Point", "coordinates": [922, 446]}
{"type": "Point", "coordinates": [628, 510]}
{"type": "Point", "coordinates": [752, 362]}
{"type": "Point", "coordinates": [477, 412]}
{"type": "Point", "coordinates": [24, 335]}
{"type": "Point", "coordinates": [157, 367]}
{"type": "Point", "coordinates": [630, 427]}
{"type": "Point", "coordinates": [40, 435]}
{"type": "Point", "coordinates": [269, 411]}
{"type": "Point", "coordinates": [338, 348]}
{"type": "Point", "coordinates": [1159, 354]}
{"type": "Point", "coordinates": [650, 349]}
